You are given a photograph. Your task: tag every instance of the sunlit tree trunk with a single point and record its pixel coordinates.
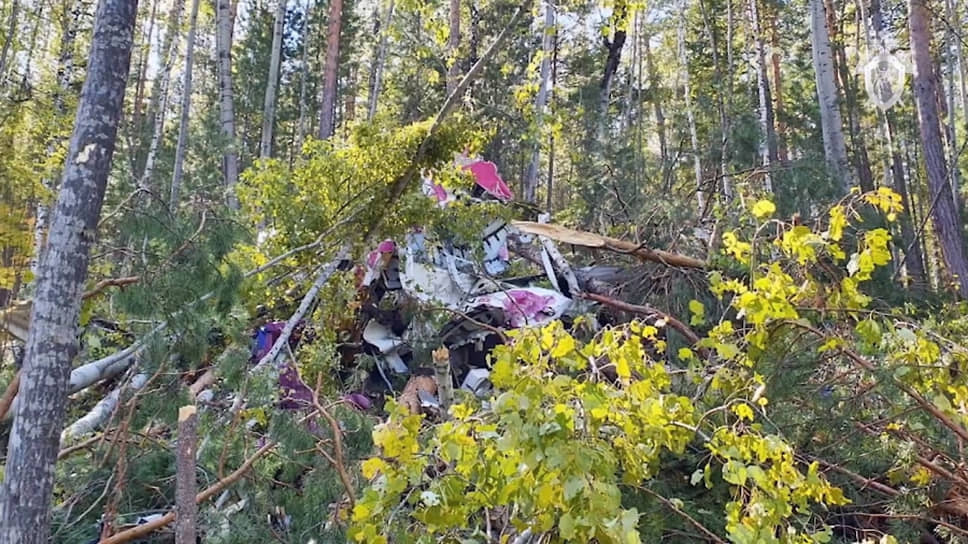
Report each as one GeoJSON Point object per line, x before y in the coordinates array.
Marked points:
{"type": "Point", "coordinates": [947, 223]}
{"type": "Point", "coordinates": [272, 84]}
{"type": "Point", "coordinates": [52, 341]}
{"type": "Point", "coordinates": [952, 49]}
{"type": "Point", "coordinates": [186, 108]}
{"type": "Point", "coordinates": [144, 56]}
{"type": "Point", "coordinates": [541, 99]}
{"type": "Point", "coordinates": [159, 99]}
{"type": "Point", "coordinates": [721, 82]}
{"type": "Point", "coordinates": [835, 150]}
{"type": "Point", "coordinates": [331, 71]}
{"type": "Point", "coordinates": [777, 90]}
{"type": "Point", "coordinates": [224, 21]}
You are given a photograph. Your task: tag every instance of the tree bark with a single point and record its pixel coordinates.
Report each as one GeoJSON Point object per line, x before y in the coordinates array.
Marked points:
{"type": "Point", "coordinates": [8, 39]}
{"type": "Point", "coordinates": [303, 77]}
{"type": "Point", "coordinates": [65, 74]}
{"type": "Point", "coordinates": [947, 223]}
{"type": "Point", "coordinates": [768, 148]}
{"type": "Point", "coordinates": [159, 99]}
{"type": "Point", "coordinates": [540, 100]}
{"type": "Point", "coordinates": [654, 96]}
{"type": "Point", "coordinates": [186, 510]}
{"type": "Point", "coordinates": [376, 76]}
{"type": "Point", "coordinates": [690, 115]}
{"type": "Point", "coordinates": [272, 84]}
{"type": "Point", "coordinates": [52, 343]}
{"type": "Point", "coordinates": [453, 45]}
{"type": "Point", "coordinates": [912, 258]}
{"type": "Point", "coordinates": [613, 49]}
{"type": "Point", "coordinates": [224, 21]}
{"type": "Point", "coordinates": [835, 150]}
{"type": "Point", "coordinates": [327, 122]}
{"type": "Point", "coordinates": [186, 108]}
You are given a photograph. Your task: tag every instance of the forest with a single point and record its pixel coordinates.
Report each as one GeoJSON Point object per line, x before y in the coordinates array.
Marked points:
{"type": "Point", "coordinates": [483, 271]}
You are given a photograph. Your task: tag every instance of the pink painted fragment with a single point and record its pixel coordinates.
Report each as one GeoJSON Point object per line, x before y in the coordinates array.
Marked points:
{"type": "Point", "coordinates": [485, 174]}
{"type": "Point", "coordinates": [521, 306]}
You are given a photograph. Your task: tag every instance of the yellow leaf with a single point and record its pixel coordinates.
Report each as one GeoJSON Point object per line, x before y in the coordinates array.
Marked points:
{"type": "Point", "coordinates": [763, 209]}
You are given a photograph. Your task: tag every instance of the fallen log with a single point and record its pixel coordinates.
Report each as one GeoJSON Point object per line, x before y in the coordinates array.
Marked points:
{"type": "Point", "coordinates": [597, 241]}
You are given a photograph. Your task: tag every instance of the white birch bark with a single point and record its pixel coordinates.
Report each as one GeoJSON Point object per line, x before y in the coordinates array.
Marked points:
{"type": "Point", "coordinates": [690, 115]}
{"type": "Point", "coordinates": [835, 150]}
{"type": "Point", "coordinates": [186, 108]}
{"type": "Point", "coordinates": [272, 83]}
{"type": "Point", "coordinates": [224, 18]}
{"type": "Point", "coordinates": [540, 101]}
{"type": "Point", "coordinates": [376, 79]}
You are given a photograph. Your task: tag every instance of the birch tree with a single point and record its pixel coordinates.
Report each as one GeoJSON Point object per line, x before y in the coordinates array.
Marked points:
{"type": "Point", "coordinates": [52, 342]}
{"type": "Point", "coordinates": [835, 150]}
{"type": "Point", "coordinates": [540, 100]}
{"type": "Point", "coordinates": [272, 84]}
{"type": "Point", "coordinates": [379, 62]}
{"type": "Point", "coordinates": [947, 223]}
{"type": "Point", "coordinates": [186, 108]}
{"type": "Point", "coordinates": [224, 17]}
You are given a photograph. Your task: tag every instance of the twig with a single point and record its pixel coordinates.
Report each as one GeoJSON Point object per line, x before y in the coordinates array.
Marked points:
{"type": "Point", "coordinates": [679, 326]}
{"type": "Point", "coordinates": [143, 530]}
{"type": "Point", "coordinates": [337, 458]}
{"type": "Point", "coordinates": [702, 528]}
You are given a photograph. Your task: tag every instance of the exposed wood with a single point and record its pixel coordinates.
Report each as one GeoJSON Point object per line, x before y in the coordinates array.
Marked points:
{"type": "Point", "coordinates": [442, 375]}
{"type": "Point", "coordinates": [185, 506]}
{"type": "Point", "coordinates": [597, 241]}
{"type": "Point", "coordinates": [146, 529]}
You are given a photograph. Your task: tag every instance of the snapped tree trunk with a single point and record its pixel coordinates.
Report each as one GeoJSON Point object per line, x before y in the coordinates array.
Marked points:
{"type": "Point", "coordinates": [52, 342]}
{"type": "Point", "coordinates": [186, 510]}
{"type": "Point", "coordinates": [186, 107]}
{"type": "Point", "coordinates": [947, 224]}
{"type": "Point", "coordinates": [540, 100]}
{"type": "Point", "coordinates": [327, 121]}
{"type": "Point", "coordinates": [272, 84]}
{"type": "Point", "coordinates": [835, 150]}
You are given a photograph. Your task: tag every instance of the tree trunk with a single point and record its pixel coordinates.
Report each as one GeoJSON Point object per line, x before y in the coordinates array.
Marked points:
{"type": "Point", "coordinates": [835, 150]}
{"type": "Point", "coordinates": [947, 224]}
{"type": "Point", "coordinates": [272, 84]}
{"type": "Point", "coordinates": [380, 59]}
{"type": "Point", "coordinates": [224, 21]}
{"type": "Point", "coordinates": [145, 51]}
{"type": "Point", "coordinates": [186, 108]}
{"type": "Point", "coordinates": [8, 39]}
{"type": "Point", "coordinates": [952, 49]}
{"type": "Point", "coordinates": [159, 99]}
{"type": "Point", "coordinates": [453, 45]}
{"type": "Point", "coordinates": [186, 510]}
{"type": "Point", "coordinates": [780, 131]}
{"type": "Point", "coordinates": [710, 29]}
{"type": "Point", "coordinates": [303, 77]}
{"type": "Point", "coordinates": [768, 147]}
{"type": "Point", "coordinates": [654, 96]}
{"type": "Point", "coordinates": [65, 74]}
{"type": "Point", "coordinates": [52, 341]}
{"type": "Point", "coordinates": [613, 49]}
{"type": "Point", "coordinates": [912, 259]}
{"type": "Point", "coordinates": [858, 144]}
{"type": "Point", "coordinates": [540, 100]}
{"type": "Point", "coordinates": [331, 71]}
{"type": "Point", "coordinates": [551, 134]}
{"type": "Point", "coordinates": [690, 115]}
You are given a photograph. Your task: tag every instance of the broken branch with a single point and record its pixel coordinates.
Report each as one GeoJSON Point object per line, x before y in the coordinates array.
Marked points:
{"type": "Point", "coordinates": [597, 241]}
